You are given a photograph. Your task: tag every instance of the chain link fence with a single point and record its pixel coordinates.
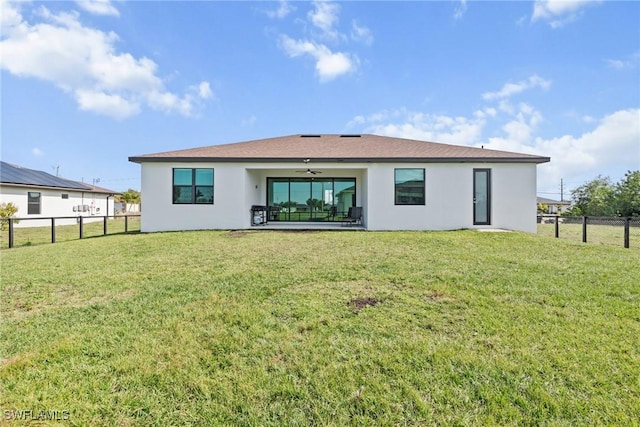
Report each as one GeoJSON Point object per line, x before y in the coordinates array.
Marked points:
{"type": "Point", "coordinates": [614, 231]}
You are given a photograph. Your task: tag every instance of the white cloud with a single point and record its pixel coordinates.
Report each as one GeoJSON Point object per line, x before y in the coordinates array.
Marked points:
{"type": "Point", "coordinates": [204, 90]}
{"type": "Point", "coordinates": [10, 16]}
{"type": "Point", "coordinates": [329, 65]}
{"type": "Point", "coordinates": [98, 7]}
{"type": "Point", "coordinates": [629, 62]}
{"type": "Point", "coordinates": [460, 10]}
{"type": "Point", "coordinates": [610, 144]}
{"type": "Point", "coordinates": [510, 89]}
{"type": "Point", "coordinates": [361, 33]}
{"type": "Point", "coordinates": [37, 152]}
{"type": "Point", "coordinates": [284, 8]}
{"type": "Point", "coordinates": [325, 16]}
{"type": "Point", "coordinates": [518, 130]}
{"type": "Point", "coordinates": [404, 123]}
{"type": "Point", "coordinates": [83, 62]}
{"type": "Point", "coordinates": [559, 12]}
{"type": "Point", "coordinates": [613, 143]}
{"type": "Point", "coordinates": [112, 105]}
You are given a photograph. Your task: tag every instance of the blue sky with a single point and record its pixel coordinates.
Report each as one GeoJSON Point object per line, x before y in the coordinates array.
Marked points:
{"type": "Point", "coordinates": [87, 84]}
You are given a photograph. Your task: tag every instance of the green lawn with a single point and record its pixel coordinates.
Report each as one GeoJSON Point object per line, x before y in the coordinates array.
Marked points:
{"type": "Point", "coordinates": [262, 328]}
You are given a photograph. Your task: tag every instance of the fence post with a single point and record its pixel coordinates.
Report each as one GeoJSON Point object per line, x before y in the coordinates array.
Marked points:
{"type": "Point", "coordinates": [126, 223]}
{"type": "Point", "coordinates": [584, 229]}
{"type": "Point", "coordinates": [557, 226]}
{"type": "Point", "coordinates": [81, 224]}
{"type": "Point", "coordinates": [104, 231]}
{"type": "Point", "coordinates": [10, 233]}
{"type": "Point", "coordinates": [53, 230]}
{"type": "Point", "coordinates": [627, 223]}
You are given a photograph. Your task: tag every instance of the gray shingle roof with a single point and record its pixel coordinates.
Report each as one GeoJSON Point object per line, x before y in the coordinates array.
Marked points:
{"type": "Point", "coordinates": [12, 174]}
{"type": "Point", "coordinates": [345, 148]}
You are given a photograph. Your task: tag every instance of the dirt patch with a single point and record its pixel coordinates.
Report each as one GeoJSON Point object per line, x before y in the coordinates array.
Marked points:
{"type": "Point", "coordinates": [360, 303]}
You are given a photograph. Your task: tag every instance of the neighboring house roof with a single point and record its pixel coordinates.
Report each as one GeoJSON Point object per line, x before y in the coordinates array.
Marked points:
{"type": "Point", "coordinates": [338, 148]}
{"type": "Point", "coordinates": [551, 201]}
{"type": "Point", "coordinates": [17, 175]}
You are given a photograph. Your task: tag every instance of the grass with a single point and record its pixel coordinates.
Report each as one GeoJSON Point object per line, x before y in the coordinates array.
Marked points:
{"type": "Point", "coordinates": [262, 328]}
{"type": "Point", "coordinates": [599, 234]}
{"type": "Point", "coordinates": [27, 236]}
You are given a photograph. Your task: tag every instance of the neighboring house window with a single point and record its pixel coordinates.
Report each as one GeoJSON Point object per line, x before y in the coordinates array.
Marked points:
{"type": "Point", "coordinates": [409, 187]}
{"type": "Point", "coordinates": [65, 196]}
{"type": "Point", "coordinates": [33, 203]}
{"type": "Point", "coordinates": [192, 186]}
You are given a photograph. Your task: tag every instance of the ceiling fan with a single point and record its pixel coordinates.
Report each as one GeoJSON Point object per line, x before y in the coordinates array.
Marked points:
{"type": "Point", "coordinates": [309, 171]}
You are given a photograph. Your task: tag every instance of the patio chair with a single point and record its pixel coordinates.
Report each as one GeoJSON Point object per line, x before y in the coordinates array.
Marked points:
{"type": "Point", "coordinates": [354, 216]}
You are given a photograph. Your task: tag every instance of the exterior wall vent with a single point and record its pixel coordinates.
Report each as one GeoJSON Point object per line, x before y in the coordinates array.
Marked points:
{"type": "Point", "coordinates": [310, 136]}
{"type": "Point", "coordinates": [350, 136]}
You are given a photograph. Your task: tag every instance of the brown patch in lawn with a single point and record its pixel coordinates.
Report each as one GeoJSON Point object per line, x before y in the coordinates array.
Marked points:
{"type": "Point", "coordinates": [436, 296]}
{"type": "Point", "coordinates": [361, 303]}
{"type": "Point", "coordinates": [278, 360]}
{"type": "Point", "coordinates": [61, 296]}
{"type": "Point", "coordinates": [17, 361]}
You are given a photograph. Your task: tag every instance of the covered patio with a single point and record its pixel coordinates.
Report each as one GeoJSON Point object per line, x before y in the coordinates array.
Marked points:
{"type": "Point", "coordinates": [309, 226]}
{"type": "Point", "coordinates": [321, 195]}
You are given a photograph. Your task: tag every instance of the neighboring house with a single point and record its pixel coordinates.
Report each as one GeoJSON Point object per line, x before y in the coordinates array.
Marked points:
{"type": "Point", "coordinates": [555, 207]}
{"type": "Point", "coordinates": [127, 208]}
{"type": "Point", "coordinates": [38, 194]}
{"type": "Point", "coordinates": [400, 184]}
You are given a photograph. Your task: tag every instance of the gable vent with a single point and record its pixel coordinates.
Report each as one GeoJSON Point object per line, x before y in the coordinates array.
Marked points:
{"type": "Point", "coordinates": [309, 136]}
{"type": "Point", "coordinates": [350, 136]}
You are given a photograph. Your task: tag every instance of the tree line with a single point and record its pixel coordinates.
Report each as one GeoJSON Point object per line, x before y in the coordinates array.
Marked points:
{"type": "Point", "coordinates": [601, 197]}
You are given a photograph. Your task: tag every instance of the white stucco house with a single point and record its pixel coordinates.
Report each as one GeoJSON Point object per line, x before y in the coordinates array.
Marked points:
{"type": "Point", "coordinates": [40, 195]}
{"type": "Point", "coordinates": [399, 184]}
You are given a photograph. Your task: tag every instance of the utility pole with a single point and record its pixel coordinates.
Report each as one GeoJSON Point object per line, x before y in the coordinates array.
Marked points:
{"type": "Point", "coordinates": [561, 190]}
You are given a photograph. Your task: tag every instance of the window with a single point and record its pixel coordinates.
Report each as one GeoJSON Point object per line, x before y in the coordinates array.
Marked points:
{"type": "Point", "coordinates": [65, 196]}
{"type": "Point", "coordinates": [409, 186]}
{"type": "Point", "coordinates": [33, 203]}
{"type": "Point", "coordinates": [192, 186]}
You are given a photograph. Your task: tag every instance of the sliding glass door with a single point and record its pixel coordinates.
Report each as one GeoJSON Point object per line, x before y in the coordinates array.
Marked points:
{"type": "Point", "coordinates": [310, 199]}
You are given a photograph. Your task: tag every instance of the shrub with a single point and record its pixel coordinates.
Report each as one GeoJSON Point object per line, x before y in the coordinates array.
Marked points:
{"type": "Point", "coordinates": [7, 210]}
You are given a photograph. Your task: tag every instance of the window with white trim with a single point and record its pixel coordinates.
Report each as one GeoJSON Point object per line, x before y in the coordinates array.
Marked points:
{"type": "Point", "coordinates": [33, 203]}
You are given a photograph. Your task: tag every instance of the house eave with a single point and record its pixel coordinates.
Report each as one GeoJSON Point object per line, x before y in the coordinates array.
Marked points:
{"type": "Point", "coordinates": [144, 159]}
